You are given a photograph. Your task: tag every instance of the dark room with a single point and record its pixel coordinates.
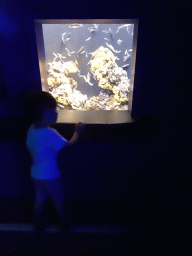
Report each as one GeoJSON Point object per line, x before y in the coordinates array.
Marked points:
{"type": "Point", "coordinates": [95, 127]}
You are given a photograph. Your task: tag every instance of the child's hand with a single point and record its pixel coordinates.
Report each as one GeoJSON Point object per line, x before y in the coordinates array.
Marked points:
{"type": "Point", "coordinates": [79, 127]}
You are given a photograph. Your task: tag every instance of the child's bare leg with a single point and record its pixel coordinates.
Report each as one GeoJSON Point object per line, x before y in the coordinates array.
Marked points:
{"type": "Point", "coordinates": [58, 199]}
{"type": "Point", "coordinates": [60, 209]}
{"type": "Point", "coordinates": [40, 199]}
{"type": "Point", "coordinates": [57, 195]}
{"type": "Point", "coordinates": [39, 204]}
{"type": "Point", "coordinates": [38, 220]}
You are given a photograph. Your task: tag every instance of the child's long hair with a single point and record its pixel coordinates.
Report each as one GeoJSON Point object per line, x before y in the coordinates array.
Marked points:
{"type": "Point", "coordinates": [35, 103]}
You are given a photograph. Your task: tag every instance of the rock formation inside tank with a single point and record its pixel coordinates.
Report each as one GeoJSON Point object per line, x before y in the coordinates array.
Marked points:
{"type": "Point", "coordinates": [112, 79]}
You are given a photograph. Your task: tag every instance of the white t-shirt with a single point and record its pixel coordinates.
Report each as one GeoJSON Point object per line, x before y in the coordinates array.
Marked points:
{"type": "Point", "coordinates": [43, 145]}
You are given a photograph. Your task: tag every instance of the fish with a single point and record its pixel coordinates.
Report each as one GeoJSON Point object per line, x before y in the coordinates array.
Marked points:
{"type": "Point", "coordinates": [60, 56]}
{"type": "Point", "coordinates": [61, 105]}
{"type": "Point", "coordinates": [81, 75]}
{"type": "Point", "coordinates": [92, 29]}
{"type": "Point", "coordinates": [65, 39]}
{"type": "Point", "coordinates": [95, 28]}
{"type": "Point", "coordinates": [62, 36]}
{"type": "Point", "coordinates": [130, 50]}
{"type": "Point", "coordinates": [93, 74]}
{"type": "Point", "coordinates": [126, 65]}
{"type": "Point", "coordinates": [119, 41]}
{"type": "Point", "coordinates": [110, 31]}
{"type": "Point", "coordinates": [107, 39]}
{"type": "Point", "coordinates": [126, 57]}
{"type": "Point", "coordinates": [86, 55]}
{"type": "Point", "coordinates": [126, 26]}
{"type": "Point", "coordinates": [111, 47]}
{"type": "Point", "coordinates": [75, 25]}
{"type": "Point", "coordinates": [82, 52]}
{"type": "Point", "coordinates": [55, 56]}
{"type": "Point", "coordinates": [89, 83]}
{"type": "Point", "coordinates": [87, 79]}
{"type": "Point", "coordinates": [68, 52]}
{"type": "Point", "coordinates": [88, 39]}
{"type": "Point", "coordinates": [81, 49]}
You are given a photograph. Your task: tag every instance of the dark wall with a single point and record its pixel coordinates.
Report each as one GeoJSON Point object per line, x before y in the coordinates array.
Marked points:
{"type": "Point", "coordinates": [116, 161]}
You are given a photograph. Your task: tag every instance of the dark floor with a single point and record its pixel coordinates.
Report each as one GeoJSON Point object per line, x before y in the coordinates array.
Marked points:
{"type": "Point", "coordinates": [50, 243]}
{"type": "Point", "coordinates": [154, 238]}
{"type": "Point", "coordinates": [153, 222]}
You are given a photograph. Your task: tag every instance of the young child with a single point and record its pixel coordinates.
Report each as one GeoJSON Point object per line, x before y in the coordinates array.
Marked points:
{"type": "Point", "coordinates": [44, 144]}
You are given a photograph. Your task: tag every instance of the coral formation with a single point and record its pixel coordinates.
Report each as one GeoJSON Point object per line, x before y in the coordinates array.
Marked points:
{"type": "Point", "coordinates": [111, 78]}
{"type": "Point", "coordinates": [63, 87]}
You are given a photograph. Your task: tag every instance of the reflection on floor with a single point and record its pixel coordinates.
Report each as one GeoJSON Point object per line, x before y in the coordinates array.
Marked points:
{"type": "Point", "coordinates": [74, 229]}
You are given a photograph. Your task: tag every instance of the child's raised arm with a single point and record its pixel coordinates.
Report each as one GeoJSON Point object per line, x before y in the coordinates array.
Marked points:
{"type": "Point", "coordinates": [78, 129]}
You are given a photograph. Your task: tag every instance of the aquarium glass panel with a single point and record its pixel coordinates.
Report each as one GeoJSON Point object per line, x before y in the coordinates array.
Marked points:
{"type": "Point", "coordinates": [89, 67]}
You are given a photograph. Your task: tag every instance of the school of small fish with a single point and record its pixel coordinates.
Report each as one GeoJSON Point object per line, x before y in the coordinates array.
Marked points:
{"type": "Point", "coordinates": [116, 80]}
{"type": "Point", "coordinates": [67, 37]}
{"type": "Point", "coordinates": [92, 29]}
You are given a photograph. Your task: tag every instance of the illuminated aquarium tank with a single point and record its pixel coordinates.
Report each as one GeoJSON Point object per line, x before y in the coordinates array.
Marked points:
{"type": "Point", "coordinates": [88, 66]}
